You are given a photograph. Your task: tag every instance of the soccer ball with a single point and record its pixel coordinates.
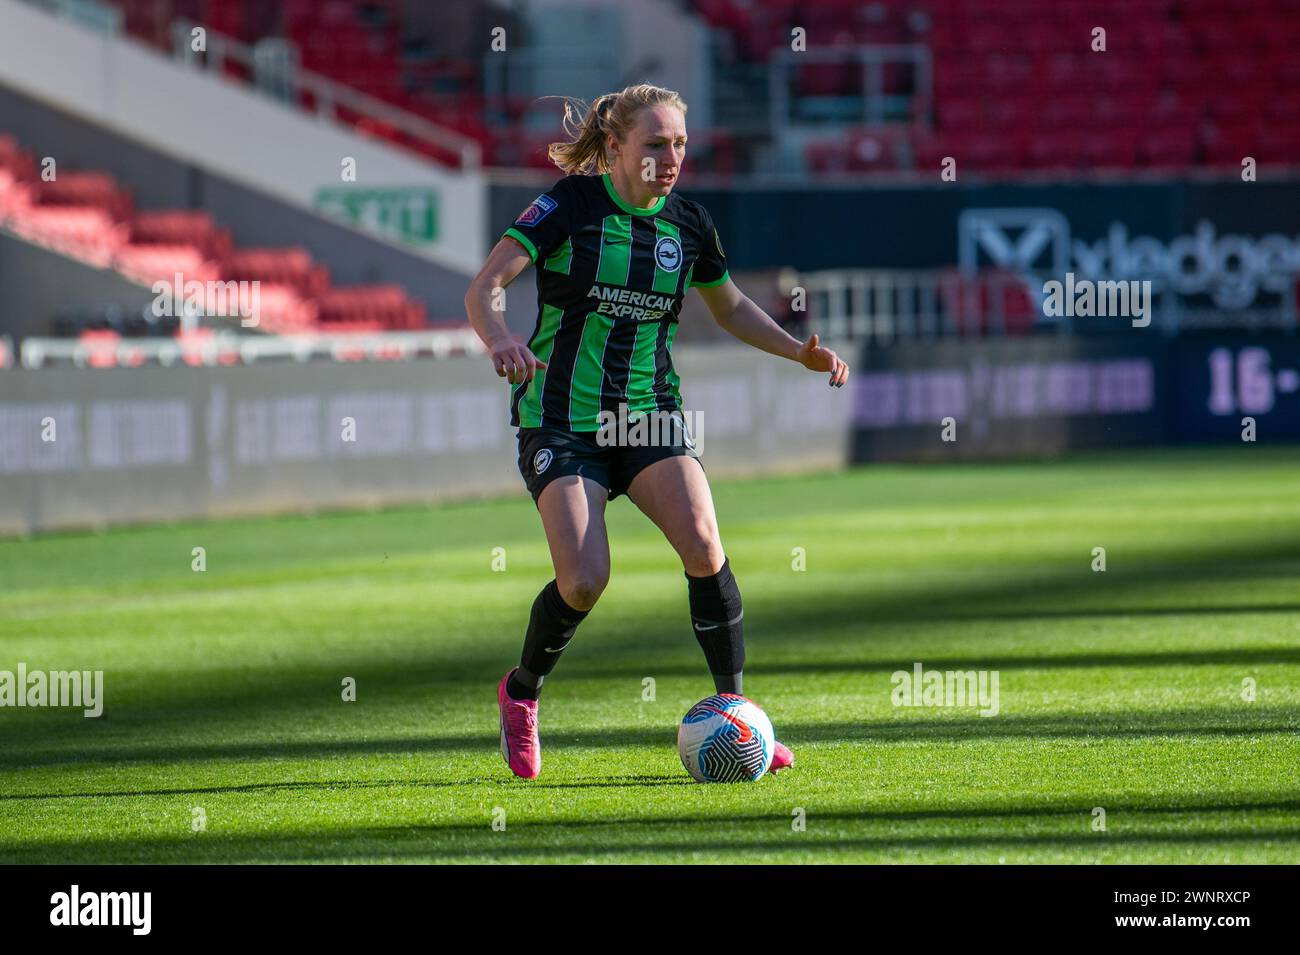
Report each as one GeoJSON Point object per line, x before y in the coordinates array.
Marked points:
{"type": "Point", "coordinates": [725, 739]}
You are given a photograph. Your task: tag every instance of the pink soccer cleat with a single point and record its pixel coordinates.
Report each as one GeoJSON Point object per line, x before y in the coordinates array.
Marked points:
{"type": "Point", "coordinates": [519, 743]}
{"type": "Point", "coordinates": [781, 757]}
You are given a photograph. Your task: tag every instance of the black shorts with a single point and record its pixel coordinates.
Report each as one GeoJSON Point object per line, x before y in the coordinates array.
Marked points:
{"type": "Point", "coordinates": [548, 453]}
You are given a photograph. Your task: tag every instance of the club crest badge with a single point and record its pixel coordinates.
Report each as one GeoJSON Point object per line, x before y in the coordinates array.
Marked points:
{"type": "Point", "coordinates": [668, 254]}
{"type": "Point", "coordinates": [542, 460]}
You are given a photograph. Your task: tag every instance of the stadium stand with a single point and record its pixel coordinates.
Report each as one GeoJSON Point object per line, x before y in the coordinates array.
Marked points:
{"type": "Point", "coordinates": [1015, 84]}
{"type": "Point", "coordinates": [365, 45]}
{"type": "Point", "coordinates": [1018, 87]}
{"type": "Point", "coordinates": [1011, 88]}
{"type": "Point", "coordinates": [88, 216]}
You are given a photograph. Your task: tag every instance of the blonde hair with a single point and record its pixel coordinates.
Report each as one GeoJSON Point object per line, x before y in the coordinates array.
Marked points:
{"type": "Point", "coordinates": [612, 113]}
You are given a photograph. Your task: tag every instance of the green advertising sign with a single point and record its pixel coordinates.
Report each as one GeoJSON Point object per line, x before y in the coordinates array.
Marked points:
{"type": "Point", "coordinates": [406, 213]}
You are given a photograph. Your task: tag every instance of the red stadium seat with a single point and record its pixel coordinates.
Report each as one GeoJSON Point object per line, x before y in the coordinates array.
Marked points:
{"type": "Point", "coordinates": [101, 345]}
{"type": "Point", "coordinates": [1168, 147]}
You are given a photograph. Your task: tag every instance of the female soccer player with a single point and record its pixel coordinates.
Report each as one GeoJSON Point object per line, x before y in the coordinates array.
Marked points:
{"type": "Point", "coordinates": [616, 252]}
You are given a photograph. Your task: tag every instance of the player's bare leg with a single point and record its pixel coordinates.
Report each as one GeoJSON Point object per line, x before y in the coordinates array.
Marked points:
{"type": "Point", "coordinates": [573, 513]}
{"type": "Point", "coordinates": [674, 493]}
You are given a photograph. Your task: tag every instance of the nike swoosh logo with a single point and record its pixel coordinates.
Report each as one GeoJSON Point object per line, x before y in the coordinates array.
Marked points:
{"type": "Point", "coordinates": [715, 626]}
{"type": "Point", "coordinates": [549, 650]}
{"type": "Point", "coordinates": [746, 734]}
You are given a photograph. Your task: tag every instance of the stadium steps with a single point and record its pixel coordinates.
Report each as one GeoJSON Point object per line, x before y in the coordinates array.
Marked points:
{"type": "Point", "coordinates": [88, 216]}
{"type": "Point", "coordinates": [357, 43]}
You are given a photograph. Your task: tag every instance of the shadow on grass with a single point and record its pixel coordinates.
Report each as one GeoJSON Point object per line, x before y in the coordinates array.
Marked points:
{"type": "Point", "coordinates": [773, 666]}
{"type": "Point", "coordinates": [1131, 825]}
{"type": "Point", "coordinates": [931, 725]}
{"type": "Point", "coordinates": [999, 597]}
{"type": "Point", "coordinates": [350, 784]}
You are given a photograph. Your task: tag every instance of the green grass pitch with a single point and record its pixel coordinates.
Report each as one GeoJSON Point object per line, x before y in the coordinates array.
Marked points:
{"type": "Point", "coordinates": [1121, 690]}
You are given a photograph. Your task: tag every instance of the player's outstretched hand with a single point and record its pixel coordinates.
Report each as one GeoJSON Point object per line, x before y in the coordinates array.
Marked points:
{"type": "Point", "coordinates": [816, 357]}
{"type": "Point", "coordinates": [515, 362]}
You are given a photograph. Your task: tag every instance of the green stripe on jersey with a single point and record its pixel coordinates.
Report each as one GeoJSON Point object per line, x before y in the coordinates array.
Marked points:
{"type": "Point", "coordinates": [665, 282]}
{"type": "Point", "coordinates": [641, 369]}
{"type": "Point", "coordinates": [672, 378]}
{"type": "Point", "coordinates": [615, 250]}
{"type": "Point", "coordinates": [589, 373]}
{"type": "Point", "coordinates": [530, 406]}
{"type": "Point", "coordinates": [561, 258]}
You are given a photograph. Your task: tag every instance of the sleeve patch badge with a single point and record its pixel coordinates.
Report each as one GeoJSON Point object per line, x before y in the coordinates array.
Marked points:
{"type": "Point", "coordinates": [539, 209]}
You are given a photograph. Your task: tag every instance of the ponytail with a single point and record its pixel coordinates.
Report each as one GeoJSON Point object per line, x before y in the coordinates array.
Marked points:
{"type": "Point", "coordinates": [610, 114]}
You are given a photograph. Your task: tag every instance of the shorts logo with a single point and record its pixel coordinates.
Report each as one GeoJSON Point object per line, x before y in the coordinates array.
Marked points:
{"type": "Point", "coordinates": [542, 460]}
{"type": "Point", "coordinates": [540, 208]}
{"type": "Point", "coordinates": [668, 254]}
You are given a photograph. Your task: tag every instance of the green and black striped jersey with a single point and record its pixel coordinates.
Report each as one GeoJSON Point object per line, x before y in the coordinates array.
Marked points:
{"type": "Point", "coordinates": [610, 283]}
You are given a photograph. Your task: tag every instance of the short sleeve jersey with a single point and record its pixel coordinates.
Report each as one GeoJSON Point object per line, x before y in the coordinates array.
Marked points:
{"type": "Point", "coordinates": [611, 279]}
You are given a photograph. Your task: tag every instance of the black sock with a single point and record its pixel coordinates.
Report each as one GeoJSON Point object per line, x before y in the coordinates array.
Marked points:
{"type": "Point", "coordinates": [716, 614]}
{"type": "Point", "coordinates": [550, 628]}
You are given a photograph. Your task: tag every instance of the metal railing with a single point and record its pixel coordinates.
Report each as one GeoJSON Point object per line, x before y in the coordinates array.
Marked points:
{"type": "Point", "coordinates": [886, 305]}
{"type": "Point", "coordinates": [272, 65]}
{"type": "Point", "coordinates": [873, 106]}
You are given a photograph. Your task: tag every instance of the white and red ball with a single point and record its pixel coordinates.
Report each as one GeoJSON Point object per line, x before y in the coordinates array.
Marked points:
{"type": "Point", "coordinates": [724, 739]}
